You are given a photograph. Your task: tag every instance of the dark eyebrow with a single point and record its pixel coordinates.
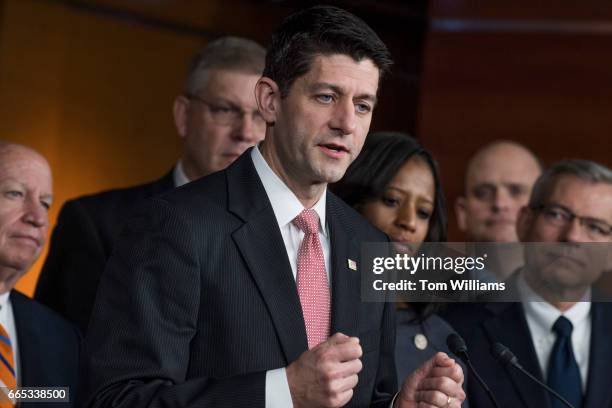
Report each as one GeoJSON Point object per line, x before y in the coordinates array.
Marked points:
{"type": "Point", "coordinates": [226, 104]}
{"type": "Point", "coordinates": [513, 184]}
{"type": "Point", "coordinates": [402, 191]}
{"type": "Point", "coordinates": [223, 101]}
{"type": "Point", "coordinates": [487, 185]}
{"type": "Point", "coordinates": [569, 210]}
{"type": "Point", "coordinates": [336, 89]}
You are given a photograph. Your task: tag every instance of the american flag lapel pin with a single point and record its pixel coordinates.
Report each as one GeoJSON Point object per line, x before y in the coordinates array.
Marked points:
{"type": "Point", "coordinates": [352, 264]}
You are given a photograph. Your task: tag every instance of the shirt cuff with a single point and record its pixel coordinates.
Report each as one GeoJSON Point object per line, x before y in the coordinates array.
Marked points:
{"type": "Point", "coordinates": [277, 389]}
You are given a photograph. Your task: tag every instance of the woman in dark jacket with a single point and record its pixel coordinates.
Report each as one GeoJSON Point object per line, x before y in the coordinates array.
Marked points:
{"type": "Point", "coordinates": [394, 183]}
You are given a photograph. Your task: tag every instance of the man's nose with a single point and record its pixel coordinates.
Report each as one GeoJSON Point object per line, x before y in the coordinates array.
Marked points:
{"type": "Point", "coordinates": [35, 213]}
{"type": "Point", "coordinates": [501, 200]}
{"type": "Point", "coordinates": [344, 118]}
{"type": "Point", "coordinates": [249, 129]}
{"type": "Point", "coordinates": [574, 231]}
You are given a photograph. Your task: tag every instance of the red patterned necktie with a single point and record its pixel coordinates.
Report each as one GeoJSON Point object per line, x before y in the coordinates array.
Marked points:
{"type": "Point", "coordinates": [312, 285]}
{"type": "Point", "coordinates": [7, 367]}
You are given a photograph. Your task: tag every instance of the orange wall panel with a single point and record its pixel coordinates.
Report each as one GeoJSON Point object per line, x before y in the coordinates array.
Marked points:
{"type": "Point", "coordinates": [92, 94]}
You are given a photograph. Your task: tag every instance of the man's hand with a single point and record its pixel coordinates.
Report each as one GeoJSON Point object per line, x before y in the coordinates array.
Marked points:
{"type": "Point", "coordinates": [436, 383]}
{"type": "Point", "coordinates": [325, 375]}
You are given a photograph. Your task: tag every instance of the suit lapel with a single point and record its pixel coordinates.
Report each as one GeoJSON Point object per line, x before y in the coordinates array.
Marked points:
{"type": "Point", "coordinates": [345, 282]}
{"type": "Point", "coordinates": [509, 327]}
{"type": "Point", "coordinates": [29, 348]}
{"type": "Point", "coordinates": [599, 391]}
{"type": "Point", "coordinates": [260, 242]}
{"type": "Point", "coordinates": [163, 184]}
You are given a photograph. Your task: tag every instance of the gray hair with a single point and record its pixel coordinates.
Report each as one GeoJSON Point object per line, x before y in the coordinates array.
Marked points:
{"type": "Point", "coordinates": [226, 53]}
{"type": "Point", "coordinates": [586, 170]}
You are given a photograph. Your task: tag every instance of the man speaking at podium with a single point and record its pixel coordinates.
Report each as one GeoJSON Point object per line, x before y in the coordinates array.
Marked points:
{"type": "Point", "coordinates": [241, 289]}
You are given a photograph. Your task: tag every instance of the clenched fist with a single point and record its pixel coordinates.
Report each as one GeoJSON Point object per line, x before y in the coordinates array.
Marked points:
{"type": "Point", "coordinates": [325, 375]}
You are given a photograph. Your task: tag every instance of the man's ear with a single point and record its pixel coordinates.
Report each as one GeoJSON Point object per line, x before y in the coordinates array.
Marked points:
{"type": "Point", "coordinates": [179, 112]}
{"type": "Point", "coordinates": [268, 98]}
{"type": "Point", "coordinates": [523, 223]}
{"type": "Point", "coordinates": [461, 213]}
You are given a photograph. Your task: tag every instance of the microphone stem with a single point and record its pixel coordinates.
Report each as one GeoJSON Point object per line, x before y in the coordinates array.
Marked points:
{"type": "Point", "coordinates": [481, 381]}
{"type": "Point", "coordinates": [553, 392]}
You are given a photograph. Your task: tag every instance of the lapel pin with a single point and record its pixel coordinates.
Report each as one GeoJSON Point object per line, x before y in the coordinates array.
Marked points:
{"type": "Point", "coordinates": [420, 341]}
{"type": "Point", "coordinates": [352, 264]}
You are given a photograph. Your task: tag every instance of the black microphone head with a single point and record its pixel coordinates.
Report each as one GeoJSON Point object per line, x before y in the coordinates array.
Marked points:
{"type": "Point", "coordinates": [503, 354]}
{"type": "Point", "coordinates": [456, 344]}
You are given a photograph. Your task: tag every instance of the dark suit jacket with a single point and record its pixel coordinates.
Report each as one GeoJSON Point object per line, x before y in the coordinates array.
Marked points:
{"type": "Point", "coordinates": [198, 301]}
{"type": "Point", "coordinates": [81, 244]}
{"type": "Point", "coordinates": [48, 348]}
{"type": "Point", "coordinates": [482, 324]}
{"type": "Point", "coordinates": [407, 356]}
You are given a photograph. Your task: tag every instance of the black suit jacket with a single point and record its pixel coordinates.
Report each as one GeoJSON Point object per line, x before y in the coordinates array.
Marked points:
{"type": "Point", "coordinates": [81, 244]}
{"type": "Point", "coordinates": [198, 301]}
{"type": "Point", "coordinates": [482, 324]}
{"type": "Point", "coordinates": [48, 348]}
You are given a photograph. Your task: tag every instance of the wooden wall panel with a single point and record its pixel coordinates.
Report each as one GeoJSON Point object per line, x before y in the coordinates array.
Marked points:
{"type": "Point", "coordinates": [523, 10]}
{"type": "Point", "coordinates": [550, 89]}
{"type": "Point", "coordinates": [92, 94]}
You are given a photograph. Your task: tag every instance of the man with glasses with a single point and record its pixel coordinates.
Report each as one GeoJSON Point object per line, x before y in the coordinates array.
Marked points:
{"type": "Point", "coordinates": [216, 117]}
{"type": "Point", "coordinates": [558, 332]}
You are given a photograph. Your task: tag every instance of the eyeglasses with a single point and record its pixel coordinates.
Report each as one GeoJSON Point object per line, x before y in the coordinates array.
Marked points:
{"type": "Point", "coordinates": [560, 216]}
{"type": "Point", "coordinates": [226, 114]}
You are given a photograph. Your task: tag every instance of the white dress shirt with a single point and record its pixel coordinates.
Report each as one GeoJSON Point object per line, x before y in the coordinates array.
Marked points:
{"type": "Point", "coordinates": [8, 322]}
{"type": "Point", "coordinates": [286, 207]}
{"type": "Point", "coordinates": [178, 175]}
{"type": "Point", "coordinates": [541, 316]}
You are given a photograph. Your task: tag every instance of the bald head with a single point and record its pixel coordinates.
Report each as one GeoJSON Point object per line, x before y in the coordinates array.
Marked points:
{"type": "Point", "coordinates": [498, 182]}
{"type": "Point", "coordinates": [16, 151]}
{"type": "Point", "coordinates": [25, 197]}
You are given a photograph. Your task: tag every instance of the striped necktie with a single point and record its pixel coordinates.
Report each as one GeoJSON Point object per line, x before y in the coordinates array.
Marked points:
{"type": "Point", "coordinates": [7, 367]}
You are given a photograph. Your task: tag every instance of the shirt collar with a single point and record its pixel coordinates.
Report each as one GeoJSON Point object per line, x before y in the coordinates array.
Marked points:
{"type": "Point", "coordinates": [544, 314]}
{"type": "Point", "coordinates": [4, 299]}
{"type": "Point", "coordinates": [285, 204]}
{"type": "Point", "coordinates": [178, 175]}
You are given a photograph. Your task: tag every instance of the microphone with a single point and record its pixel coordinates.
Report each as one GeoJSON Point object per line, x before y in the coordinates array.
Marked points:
{"type": "Point", "coordinates": [456, 344]}
{"type": "Point", "coordinates": [507, 358]}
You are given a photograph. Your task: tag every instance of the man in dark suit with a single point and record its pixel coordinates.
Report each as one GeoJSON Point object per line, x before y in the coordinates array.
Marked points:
{"type": "Point", "coordinates": [216, 117]}
{"type": "Point", "coordinates": [242, 289]}
{"type": "Point", "coordinates": [556, 332]}
{"type": "Point", "coordinates": [38, 348]}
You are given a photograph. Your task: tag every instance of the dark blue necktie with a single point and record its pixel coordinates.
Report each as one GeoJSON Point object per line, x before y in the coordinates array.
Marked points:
{"type": "Point", "coordinates": [563, 372]}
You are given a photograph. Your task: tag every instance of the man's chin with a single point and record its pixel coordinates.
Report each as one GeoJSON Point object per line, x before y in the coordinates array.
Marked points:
{"type": "Point", "coordinates": [330, 175]}
{"type": "Point", "coordinates": [562, 276]}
